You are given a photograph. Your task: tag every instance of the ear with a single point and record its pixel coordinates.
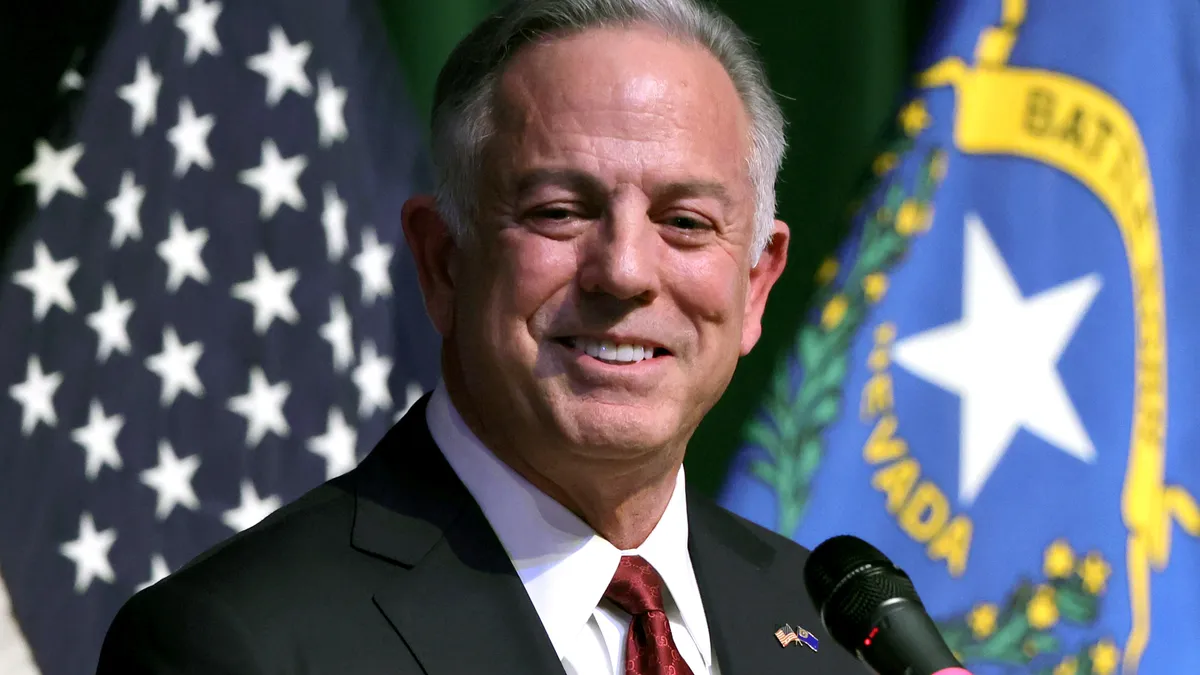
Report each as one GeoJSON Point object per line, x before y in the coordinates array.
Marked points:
{"type": "Point", "coordinates": [762, 278]}
{"type": "Point", "coordinates": [434, 251]}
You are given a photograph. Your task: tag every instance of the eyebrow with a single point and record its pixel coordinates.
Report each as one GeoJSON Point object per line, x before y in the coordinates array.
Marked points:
{"type": "Point", "coordinates": [591, 187]}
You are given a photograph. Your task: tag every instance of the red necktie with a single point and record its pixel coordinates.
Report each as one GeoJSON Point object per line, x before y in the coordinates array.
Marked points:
{"type": "Point", "coordinates": [649, 650]}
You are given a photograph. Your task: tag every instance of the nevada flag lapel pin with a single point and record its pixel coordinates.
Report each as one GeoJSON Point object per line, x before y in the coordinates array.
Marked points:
{"type": "Point", "coordinates": [787, 635]}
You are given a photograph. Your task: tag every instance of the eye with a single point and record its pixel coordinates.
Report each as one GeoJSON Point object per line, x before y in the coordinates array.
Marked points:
{"type": "Point", "coordinates": [688, 223]}
{"type": "Point", "coordinates": [553, 213]}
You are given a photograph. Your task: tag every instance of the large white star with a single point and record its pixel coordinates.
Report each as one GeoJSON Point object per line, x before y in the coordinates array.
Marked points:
{"type": "Point", "coordinates": [53, 171]}
{"type": "Point", "coordinates": [1001, 359]}
{"type": "Point", "coordinates": [371, 378]}
{"type": "Point", "coordinates": [283, 66]}
{"type": "Point", "coordinates": [190, 138]}
{"type": "Point", "coordinates": [110, 323]}
{"type": "Point", "coordinates": [336, 445]}
{"type": "Point", "coordinates": [175, 365]}
{"type": "Point", "coordinates": [90, 553]}
{"type": "Point", "coordinates": [181, 252]}
{"type": "Point", "coordinates": [199, 26]}
{"type": "Point", "coordinates": [270, 294]}
{"type": "Point", "coordinates": [251, 510]}
{"type": "Point", "coordinates": [48, 280]}
{"type": "Point", "coordinates": [172, 480]}
{"type": "Point", "coordinates": [36, 396]}
{"type": "Point", "coordinates": [372, 266]}
{"type": "Point", "coordinates": [412, 394]}
{"type": "Point", "coordinates": [262, 406]}
{"type": "Point", "coordinates": [331, 103]}
{"type": "Point", "coordinates": [99, 440]}
{"type": "Point", "coordinates": [142, 95]}
{"type": "Point", "coordinates": [158, 572]}
{"type": "Point", "coordinates": [124, 209]}
{"type": "Point", "coordinates": [333, 219]}
{"type": "Point", "coordinates": [337, 332]}
{"type": "Point", "coordinates": [150, 7]}
{"type": "Point", "coordinates": [276, 180]}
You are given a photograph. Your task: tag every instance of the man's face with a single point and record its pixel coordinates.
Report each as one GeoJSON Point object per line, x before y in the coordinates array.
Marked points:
{"type": "Point", "coordinates": [608, 293]}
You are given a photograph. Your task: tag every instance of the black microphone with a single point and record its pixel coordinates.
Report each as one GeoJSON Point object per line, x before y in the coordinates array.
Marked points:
{"type": "Point", "coordinates": [871, 609]}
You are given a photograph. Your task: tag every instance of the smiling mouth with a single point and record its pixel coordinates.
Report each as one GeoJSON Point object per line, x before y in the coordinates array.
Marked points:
{"type": "Point", "coordinates": [611, 352]}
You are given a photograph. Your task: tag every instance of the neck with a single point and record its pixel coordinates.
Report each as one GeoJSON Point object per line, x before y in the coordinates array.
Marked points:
{"type": "Point", "coordinates": [621, 499]}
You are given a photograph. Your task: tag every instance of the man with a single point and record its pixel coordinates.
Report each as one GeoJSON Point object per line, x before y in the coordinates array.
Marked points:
{"type": "Point", "coordinates": [597, 258]}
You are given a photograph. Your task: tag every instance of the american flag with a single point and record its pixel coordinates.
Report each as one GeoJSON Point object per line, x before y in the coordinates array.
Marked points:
{"type": "Point", "coordinates": [208, 308]}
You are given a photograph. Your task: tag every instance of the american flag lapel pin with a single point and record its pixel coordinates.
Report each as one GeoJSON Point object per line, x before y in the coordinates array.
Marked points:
{"type": "Point", "coordinates": [787, 635]}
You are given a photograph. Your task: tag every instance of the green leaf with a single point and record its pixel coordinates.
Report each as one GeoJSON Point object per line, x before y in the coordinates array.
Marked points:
{"type": "Point", "coordinates": [1076, 606]}
{"type": "Point", "coordinates": [808, 459]}
{"type": "Point", "coordinates": [765, 471]}
{"type": "Point", "coordinates": [1043, 643]}
{"type": "Point", "coordinates": [764, 436]}
{"type": "Point", "coordinates": [826, 410]}
{"type": "Point", "coordinates": [834, 375]}
{"type": "Point", "coordinates": [813, 348]}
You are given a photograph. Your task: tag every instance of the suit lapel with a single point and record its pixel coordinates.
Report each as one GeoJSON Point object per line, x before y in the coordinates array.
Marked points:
{"type": "Point", "coordinates": [455, 600]}
{"type": "Point", "coordinates": [743, 607]}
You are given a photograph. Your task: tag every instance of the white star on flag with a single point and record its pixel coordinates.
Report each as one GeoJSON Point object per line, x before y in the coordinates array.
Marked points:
{"type": "Point", "coordinates": [270, 294]}
{"type": "Point", "coordinates": [337, 332]}
{"type": "Point", "coordinates": [89, 552]}
{"type": "Point", "coordinates": [99, 440]}
{"type": "Point", "coordinates": [48, 280]}
{"type": "Point", "coordinates": [336, 446]}
{"type": "Point", "coordinates": [181, 251]}
{"type": "Point", "coordinates": [124, 209]}
{"type": "Point", "coordinates": [252, 509]}
{"type": "Point", "coordinates": [276, 180]}
{"type": "Point", "coordinates": [189, 136]}
{"type": "Point", "coordinates": [172, 480]}
{"type": "Point", "coordinates": [150, 7]}
{"type": "Point", "coordinates": [331, 103]}
{"type": "Point", "coordinates": [110, 323]}
{"type": "Point", "coordinates": [333, 220]}
{"type": "Point", "coordinates": [199, 26]}
{"type": "Point", "coordinates": [158, 572]}
{"type": "Point", "coordinates": [1001, 359]}
{"type": "Point", "coordinates": [412, 393]}
{"type": "Point", "coordinates": [142, 95]}
{"type": "Point", "coordinates": [36, 396]}
{"type": "Point", "coordinates": [262, 407]}
{"type": "Point", "coordinates": [53, 171]}
{"type": "Point", "coordinates": [371, 378]}
{"type": "Point", "coordinates": [372, 266]}
{"type": "Point", "coordinates": [283, 66]}
{"type": "Point", "coordinates": [175, 365]}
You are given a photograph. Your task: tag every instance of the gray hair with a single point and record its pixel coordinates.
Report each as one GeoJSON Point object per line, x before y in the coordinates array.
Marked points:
{"type": "Point", "coordinates": [462, 107]}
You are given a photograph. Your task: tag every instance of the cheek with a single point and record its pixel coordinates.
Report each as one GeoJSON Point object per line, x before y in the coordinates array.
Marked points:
{"type": "Point", "coordinates": [708, 291]}
{"type": "Point", "coordinates": [532, 272]}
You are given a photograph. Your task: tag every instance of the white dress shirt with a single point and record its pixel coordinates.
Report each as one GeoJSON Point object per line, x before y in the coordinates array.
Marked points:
{"type": "Point", "coordinates": [565, 566]}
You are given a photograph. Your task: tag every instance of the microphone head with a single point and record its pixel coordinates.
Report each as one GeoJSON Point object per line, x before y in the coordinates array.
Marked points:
{"type": "Point", "coordinates": [849, 581]}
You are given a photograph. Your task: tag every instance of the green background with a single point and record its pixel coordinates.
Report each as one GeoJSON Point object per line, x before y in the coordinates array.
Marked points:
{"type": "Point", "coordinates": [839, 68]}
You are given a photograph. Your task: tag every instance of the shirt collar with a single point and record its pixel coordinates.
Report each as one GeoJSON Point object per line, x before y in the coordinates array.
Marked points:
{"type": "Point", "coordinates": [564, 565]}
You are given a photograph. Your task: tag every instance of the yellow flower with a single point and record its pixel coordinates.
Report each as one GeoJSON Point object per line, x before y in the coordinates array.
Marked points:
{"type": "Point", "coordinates": [885, 333]}
{"type": "Point", "coordinates": [834, 312]}
{"type": "Point", "coordinates": [1105, 656]}
{"type": "Point", "coordinates": [884, 163]}
{"type": "Point", "coordinates": [982, 619]}
{"type": "Point", "coordinates": [912, 218]}
{"type": "Point", "coordinates": [1094, 572]}
{"type": "Point", "coordinates": [1068, 666]}
{"type": "Point", "coordinates": [875, 285]}
{"type": "Point", "coordinates": [1059, 560]}
{"type": "Point", "coordinates": [938, 166]}
{"type": "Point", "coordinates": [827, 271]}
{"type": "Point", "coordinates": [1042, 611]}
{"type": "Point", "coordinates": [914, 117]}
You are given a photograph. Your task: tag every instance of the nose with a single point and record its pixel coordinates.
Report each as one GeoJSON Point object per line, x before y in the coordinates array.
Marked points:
{"type": "Point", "coordinates": [619, 259]}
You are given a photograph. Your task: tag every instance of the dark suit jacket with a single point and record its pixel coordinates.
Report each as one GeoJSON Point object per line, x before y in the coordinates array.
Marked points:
{"type": "Point", "coordinates": [392, 568]}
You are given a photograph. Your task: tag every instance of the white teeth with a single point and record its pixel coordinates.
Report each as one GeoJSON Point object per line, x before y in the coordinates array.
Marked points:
{"type": "Point", "coordinates": [614, 353]}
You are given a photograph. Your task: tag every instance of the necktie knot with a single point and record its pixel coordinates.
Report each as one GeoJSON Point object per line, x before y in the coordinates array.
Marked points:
{"type": "Point", "coordinates": [636, 587]}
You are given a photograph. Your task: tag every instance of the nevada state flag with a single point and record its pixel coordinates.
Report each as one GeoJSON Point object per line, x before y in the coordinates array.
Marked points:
{"type": "Point", "coordinates": [999, 383]}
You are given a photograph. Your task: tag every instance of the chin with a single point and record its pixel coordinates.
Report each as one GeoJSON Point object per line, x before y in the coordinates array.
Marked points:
{"type": "Point", "coordinates": [619, 427]}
